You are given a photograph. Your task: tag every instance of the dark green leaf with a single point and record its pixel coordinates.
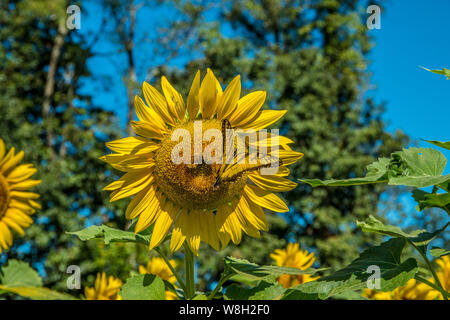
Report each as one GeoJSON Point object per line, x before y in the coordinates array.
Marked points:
{"type": "Point", "coordinates": [393, 273]}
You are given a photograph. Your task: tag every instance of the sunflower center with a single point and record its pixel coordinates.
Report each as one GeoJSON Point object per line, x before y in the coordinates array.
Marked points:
{"type": "Point", "coordinates": [4, 195]}
{"type": "Point", "coordinates": [194, 183]}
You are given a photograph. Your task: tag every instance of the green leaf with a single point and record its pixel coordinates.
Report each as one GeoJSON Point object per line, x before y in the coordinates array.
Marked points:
{"type": "Point", "coordinates": [19, 278]}
{"type": "Point", "coordinates": [20, 274]}
{"type": "Point", "coordinates": [420, 238]}
{"type": "Point", "coordinates": [442, 144]}
{"type": "Point", "coordinates": [376, 173]}
{"type": "Point", "coordinates": [424, 167]}
{"type": "Point", "coordinates": [439, 252]}
{"type": "Point", "coordinates": [393, 273]}
{"type": "Point", "coordinates": [263, 291]}
{"type": "Point", "coordinates": [111, 235]}
{"type": "Point", "coordinates": [143, 287]}
{"type": "Point", "coordinates": [38, 293]}
{"type": "Point", "coordinates": [253, 272]}
{"type": "Point", "coordinates": [427, 200]}
{"type": "Point", "coordinates": [444, 72]}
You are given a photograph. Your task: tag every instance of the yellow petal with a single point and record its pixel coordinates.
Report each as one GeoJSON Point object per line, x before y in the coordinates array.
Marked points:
{"type": "Point", "coordinates": [21, 173]}
{"type": "Point", "coordinates": [158, 103]}
{"type": "Point", "coordinates": [272, 182]}
{"type": "Point", "coordinates": [163, 224]}
{"type": "Point", "coordinates": [178, 236]}
{"type": "Point", "coordinates": [145, 129]}
{"type": "Point", "coordinates": [11, 163]}
{"type": "Point", "coordinates": [13, 225]}
{"type": "Point", "coordinates": [174, 100]}
{"type": "Point", "coordinates": [2, 149]}
{"type": "Point", "coordinates": [229, 99]}
{"type": "Point", "coordinates": [289, 157]}
{"type": "Point", "coordinates": [148, 216]}
{"type": "Point", "coordinates": [264, 119]}
{"type": "Point", "coordinates": [247, 108]}
{"type": "Point", "coordinates": [140, 202]}
{"type": "Point", "coordinates": [149, 115]}
{"type": "Point", "coordinates": [193, 103]}
{"type": "Point", "coordinates": [132, 145]}
{"type": "Point", "coordinates": [25, 185]}
{"type": "Point", "coordinates": [265, 199]}
{"type": "Point", "coordinates": [208, 95]}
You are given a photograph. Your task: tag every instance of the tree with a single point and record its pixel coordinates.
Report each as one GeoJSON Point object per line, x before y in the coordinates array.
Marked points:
{"type": "Point", "coordinates": [63, 134]}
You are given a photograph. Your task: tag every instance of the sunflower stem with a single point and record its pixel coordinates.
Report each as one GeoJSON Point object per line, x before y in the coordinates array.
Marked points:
{"type": "Point", "coordinates": [175, 273]}
{"type": "Point", "coordinates": [432, 285]}
{"type": "Point", "coordinates": [430, 267]}
{"type": "Point", "coordinates": [190, 283]}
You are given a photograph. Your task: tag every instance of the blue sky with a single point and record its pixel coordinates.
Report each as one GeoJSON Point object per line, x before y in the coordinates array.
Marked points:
{"type": "Point", "coordinates": [414, 33]}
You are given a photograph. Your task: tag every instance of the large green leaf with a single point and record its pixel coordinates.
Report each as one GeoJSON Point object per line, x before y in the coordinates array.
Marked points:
{"type": "Point", "coordinates": [254, 272]}
{"type": "Point", "coordinates": [427, 200]}
{"type": "Point", "coordinates": [19, 278]}
{"type": "Point", "coordinates": [393, 273]}
{"type": "Point", "coordinates": [143, 287]}
{"type": "Point", "coordinates": [423, 168]}
{"type": "Point", "coordinates": [442, 144]}
{"type": "Point", "coordinates": [419, 238]}
{"type": "Point", "coordinates": [377, 172]}
{"type": "Point", "coordinates": [111, 235]}
{"type": "Point", "coordinates": [19, 274]}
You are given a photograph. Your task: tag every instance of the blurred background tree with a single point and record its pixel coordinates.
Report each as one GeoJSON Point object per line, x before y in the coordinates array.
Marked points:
{"type": "Point", "coordinates": [44, 113]}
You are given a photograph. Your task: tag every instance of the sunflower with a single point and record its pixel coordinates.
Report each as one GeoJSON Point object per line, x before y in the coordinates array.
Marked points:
{"type": "Point", "coordinates": [158, 267]}
{"type": "Point", "coordinates": [201, 201]}
{"type": "Point", "coordinates": [105, 288]}
{"type": "Point", "coordinates": [443, 273]}
{"type": "Point", "coordinates": [293, 257]}
{"type": "Point", "coordinates": [16, 203]}
{"type": "Point", "coordinates": [412, 290]}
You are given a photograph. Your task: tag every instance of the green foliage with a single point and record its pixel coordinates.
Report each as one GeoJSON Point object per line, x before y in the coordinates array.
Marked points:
{"type": "Point", "coordinates": [64, 145]}
{"type": "Point", "coordinates": [111, 235]}
{"type": "Point", "coordinates": [143, 287]}
{"type": "Point", "coordinates": [444, 72]}
{"type": "Point", "coordinates": [387, 256]}
{"type": "Point", "coordinates": [19, 278]}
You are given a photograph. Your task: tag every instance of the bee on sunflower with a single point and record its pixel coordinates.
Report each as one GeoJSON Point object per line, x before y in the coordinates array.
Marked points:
{"type": "Point", "coordinates": [198, 201]}
{"type": "Point", "coordinates": [17, 204]}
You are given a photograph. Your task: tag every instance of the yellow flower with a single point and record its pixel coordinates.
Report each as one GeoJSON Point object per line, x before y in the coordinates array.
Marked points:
{"type": "Point", "coordinates": [412, 290]}
{"type": "Point", "coordinates": [106, 288]}
{"type": "Point", "coordinates": [200, 200]}
{"type": "Point", "coordinates": [293, 257]}
{"type": "Point", "coordinates": [16, 203]}
{"type": "Point", "coordinates": [443, 273]}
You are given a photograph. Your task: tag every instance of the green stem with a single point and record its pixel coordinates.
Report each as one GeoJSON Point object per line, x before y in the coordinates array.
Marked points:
{"type": "Point", "coordinates": [190, 284]}
{"type": "Point", "coordinates": [175, 273]}
{"type": "Point", "coordinates": [430, 267]}
{"type": "Point", "coordinates": [222, 280]}
{"type": "Point", "coordinates": [432, 285]}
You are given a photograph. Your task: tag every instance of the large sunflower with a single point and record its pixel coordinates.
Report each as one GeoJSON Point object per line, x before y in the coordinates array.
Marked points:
{"type": "Point", "coordinates": [16, 203]}
{"type": "Point", "coordinates": [210, 202]}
